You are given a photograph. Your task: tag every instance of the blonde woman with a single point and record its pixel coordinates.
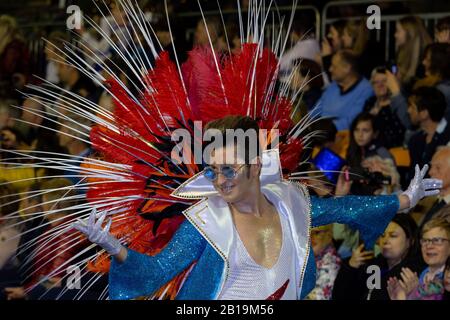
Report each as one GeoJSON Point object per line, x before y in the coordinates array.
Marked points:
{"type": "Point", "coordinates": [411, 38]}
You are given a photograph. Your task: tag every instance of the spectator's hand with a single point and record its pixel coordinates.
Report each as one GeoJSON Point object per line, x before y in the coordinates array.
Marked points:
{"type": "Point", "coordinates": [420, 188]}
{"type": "Point", "coordinates": [359, 257]}
{"type": "Point", "coordinates": [15, 293]}
{"type": "Point", "coordinates": [327, 49]}
{"type": "Point", "coordinates": [395, 290]}
{"type": "Point", "coordinates": [343, 186]}
{"type": "Point", "coordinates": [409, 280]}
{"type": "Point", "coordinates": [392, 83]}
{"type": "Point", "coordinates": [93, 230]}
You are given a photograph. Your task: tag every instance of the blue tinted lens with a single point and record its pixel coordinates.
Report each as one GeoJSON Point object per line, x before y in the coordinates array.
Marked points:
{"type": "Point", "coordinates": [228, 172]}
{"type": "Point", "coordinates": [209, 174]}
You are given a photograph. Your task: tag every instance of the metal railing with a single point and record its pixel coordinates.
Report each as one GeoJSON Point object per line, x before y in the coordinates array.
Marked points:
{"type": "Point", "coordinates": [386, 19]}
{"type": "Point", "coordinates": [285, 9]}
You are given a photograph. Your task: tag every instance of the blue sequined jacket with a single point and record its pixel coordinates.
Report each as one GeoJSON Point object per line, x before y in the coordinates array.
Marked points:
{"type": "Point", "coordinates": [206, 238]}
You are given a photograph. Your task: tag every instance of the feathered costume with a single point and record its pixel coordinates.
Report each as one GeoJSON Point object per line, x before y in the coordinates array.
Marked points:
{"type": "Point", "coordinates": [174, 251]}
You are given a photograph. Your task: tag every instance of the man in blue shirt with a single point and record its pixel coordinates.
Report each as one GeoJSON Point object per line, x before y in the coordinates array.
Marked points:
{"type": "Point", "coordinates": [344, 98]}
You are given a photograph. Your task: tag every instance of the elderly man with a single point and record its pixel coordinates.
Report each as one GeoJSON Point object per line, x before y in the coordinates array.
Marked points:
{"type": "Point", "coordinates": [440, 169]}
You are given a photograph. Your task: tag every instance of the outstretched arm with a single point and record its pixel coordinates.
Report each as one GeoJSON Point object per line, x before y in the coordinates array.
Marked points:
{"type": "Point", "coordinates": [371, 214]}
{"type": "Point", "coordinates": [133, 274]}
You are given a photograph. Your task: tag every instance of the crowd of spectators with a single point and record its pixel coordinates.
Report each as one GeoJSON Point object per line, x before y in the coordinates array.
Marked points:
{"type": "Point", "coordinates": [382, 118]}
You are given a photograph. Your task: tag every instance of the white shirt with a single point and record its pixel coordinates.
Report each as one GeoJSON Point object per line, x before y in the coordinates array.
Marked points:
{"type": "Point", "coordinates": [248, 280]}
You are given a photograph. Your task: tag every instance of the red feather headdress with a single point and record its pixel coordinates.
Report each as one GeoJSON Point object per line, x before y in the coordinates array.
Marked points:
{"type": "Point", "coordinates": [209, 87]}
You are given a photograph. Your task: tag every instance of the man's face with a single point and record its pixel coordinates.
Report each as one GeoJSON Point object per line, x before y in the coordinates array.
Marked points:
{"type": "Point", "coordinates": [339, 69]}
{"type": "Point", "coordinates": [415, 115]}
{"type": "Point", "coordinates": [246, 178]}
{"type": "Point", "coordinates": [440, 169]}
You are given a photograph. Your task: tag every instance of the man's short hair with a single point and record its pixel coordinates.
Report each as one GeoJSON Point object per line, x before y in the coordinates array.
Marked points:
{"type": "Point", "coordinates": [351, 58]}
{"type": "Point", "coordinates": [236, 122]}
{"type": "Point", "coordinates": [432, 100]}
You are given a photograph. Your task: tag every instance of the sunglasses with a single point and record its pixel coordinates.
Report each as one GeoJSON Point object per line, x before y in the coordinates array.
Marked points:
{"type": "Point", "coordinates": [228, 172]}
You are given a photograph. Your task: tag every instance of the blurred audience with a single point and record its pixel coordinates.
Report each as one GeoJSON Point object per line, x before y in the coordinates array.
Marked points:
{"type": "Point", "coordinates": [344, 98]}
{"type": "Point", "coordinates": [426, 108]}
{"type": "Point", "coordinates": [442, 30]}
{"type": "Point", "coordinates": [398, 251]}
{"type": "Point", "coordinates": [14, 58]}
{"type": "Point", "coordinates": [411, 38]}
{"type": "Point", "coordinates": [435, 244]}
{"type": "Point", "coordinates": [387, 115]}
{"type": "Point", "coordinates": [437, 70]}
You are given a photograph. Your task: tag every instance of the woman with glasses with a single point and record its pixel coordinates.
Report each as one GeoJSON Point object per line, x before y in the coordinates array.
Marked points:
{"type": "Point", "coordinates": [435, 245]}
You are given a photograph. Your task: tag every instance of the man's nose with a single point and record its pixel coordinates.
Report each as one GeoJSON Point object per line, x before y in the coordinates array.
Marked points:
{"type": "Point", "coordinates": [220, 178]}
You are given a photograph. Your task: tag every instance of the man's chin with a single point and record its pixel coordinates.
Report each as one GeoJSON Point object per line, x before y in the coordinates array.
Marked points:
{"type": "Point", "coordinates": [229, 197]}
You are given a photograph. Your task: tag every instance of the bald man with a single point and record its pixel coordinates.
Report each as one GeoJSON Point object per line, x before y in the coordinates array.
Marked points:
{"type": "Point", "coordinates": [440, 169]}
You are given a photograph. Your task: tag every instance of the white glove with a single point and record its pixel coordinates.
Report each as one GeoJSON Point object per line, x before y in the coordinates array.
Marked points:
{"type": "Point", "coordinates": [420, 187]}
{"type": "Point", "coordinates": [94, 232]}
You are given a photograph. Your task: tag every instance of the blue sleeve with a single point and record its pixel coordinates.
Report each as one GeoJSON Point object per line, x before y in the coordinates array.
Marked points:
{"type": "Point", "coordinates": [141, 275]}
{"type": "Point", "coordinates": [369, 214]}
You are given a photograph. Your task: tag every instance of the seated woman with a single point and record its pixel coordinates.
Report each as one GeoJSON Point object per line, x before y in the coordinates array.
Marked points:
{"type": "Point", "coordinates": [435, 244]}
{"type": "Point", "coordinates": [397, 251]}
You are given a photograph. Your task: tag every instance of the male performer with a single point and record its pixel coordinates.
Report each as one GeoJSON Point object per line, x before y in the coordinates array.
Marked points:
{"type": "Point", "coordinates": [249, 238]}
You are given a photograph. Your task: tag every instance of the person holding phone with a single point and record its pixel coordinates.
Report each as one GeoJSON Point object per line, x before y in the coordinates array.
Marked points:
{"type": "Point", "coordinates": [391, 128]}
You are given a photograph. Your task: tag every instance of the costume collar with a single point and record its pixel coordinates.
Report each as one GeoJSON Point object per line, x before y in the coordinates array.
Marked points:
{"type": "Point", "coordinates": [199, 187]}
